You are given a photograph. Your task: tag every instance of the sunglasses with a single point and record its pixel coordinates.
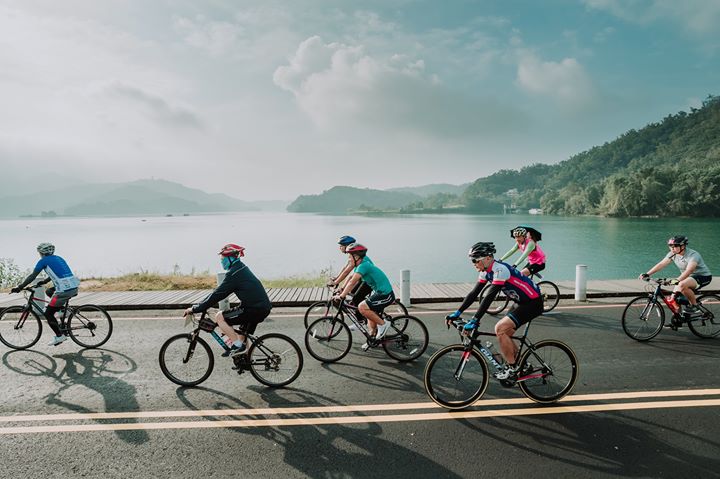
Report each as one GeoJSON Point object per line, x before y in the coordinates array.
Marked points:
{"type": "Point", "coordinates": [671, 246]}
{"type": "Point", "coordinates": [475, 260]}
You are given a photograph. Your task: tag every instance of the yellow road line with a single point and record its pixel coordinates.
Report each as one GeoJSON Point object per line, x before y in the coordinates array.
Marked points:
{"type": "Point", "coordinates": [343, 409]}
{"type": "Point", "coordinates": [361, 419]}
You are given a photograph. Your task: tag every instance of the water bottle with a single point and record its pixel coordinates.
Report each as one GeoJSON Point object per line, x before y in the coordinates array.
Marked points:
{"type": "Point", "coordinates": [673, 304]}
{"type": "Point", "coordinates": [495, 354]}
{"type": "Point", "coordinates": [227, 341]}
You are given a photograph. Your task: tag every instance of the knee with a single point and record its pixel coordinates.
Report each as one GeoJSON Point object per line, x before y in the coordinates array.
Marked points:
{"type": "Point", "coordinates": [219, 317]}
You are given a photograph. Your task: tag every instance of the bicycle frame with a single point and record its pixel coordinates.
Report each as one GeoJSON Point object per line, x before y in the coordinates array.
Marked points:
{"type": "Point", "coordinates": [33, 303]}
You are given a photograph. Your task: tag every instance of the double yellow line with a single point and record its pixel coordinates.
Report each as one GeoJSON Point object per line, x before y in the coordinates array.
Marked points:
{"type": "Point", "coordinates": [654, 400]}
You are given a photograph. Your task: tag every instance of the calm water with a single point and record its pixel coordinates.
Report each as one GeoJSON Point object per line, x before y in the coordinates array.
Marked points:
{"type": "Point", "coordinates": [433, 247]}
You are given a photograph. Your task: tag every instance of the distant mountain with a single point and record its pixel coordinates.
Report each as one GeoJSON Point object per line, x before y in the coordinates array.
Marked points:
{"type": "Point", "coordinates": [434, 189]}
{"type": "Point", "coordinates": [344, 199]}
{"type": "Point", "coordinates": [133, 198]}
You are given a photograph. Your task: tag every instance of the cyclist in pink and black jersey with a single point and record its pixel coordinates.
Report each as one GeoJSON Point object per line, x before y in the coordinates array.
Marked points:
{"type": "Point", "coordinates": [499, 276]}
{"type": "Point", "coordinates": [526, 240]}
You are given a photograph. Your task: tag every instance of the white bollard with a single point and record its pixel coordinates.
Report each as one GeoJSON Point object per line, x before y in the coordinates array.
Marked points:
{"type": "Point", "coordinates": [580, 282]}
{"type": "Point", "coordinates": [224, 304]}
{"type": "Point", "coordinates": [405, 287]}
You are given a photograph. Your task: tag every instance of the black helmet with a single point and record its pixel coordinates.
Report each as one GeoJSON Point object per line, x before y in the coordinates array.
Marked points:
{"type": "Point", "coordinates": [481, 249]}
{"type": "Point", "coordinates": [678, 240]}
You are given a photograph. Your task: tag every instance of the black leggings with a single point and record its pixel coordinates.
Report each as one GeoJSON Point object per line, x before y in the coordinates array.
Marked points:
{"type": "Point", "coordinates": [52, 322]}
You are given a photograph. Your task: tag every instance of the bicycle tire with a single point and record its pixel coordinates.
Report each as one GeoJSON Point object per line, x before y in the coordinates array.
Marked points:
{"type": "Point", "coordinates": [318, 310]}
{"type": "Point", "coordinates": [406, 339]}
{"type": "Point", "coordinates": [440, 381]}
{"type": "Point", "coordinates": [643, 318]}
{"type": "Point", "coordinates": [550, 295]}
{"type": "Point", "coordinates": [552, 380]}
{"type": "Point", "coordinates": [90, 326]}
{"type": "Point", "coordinates": [328, 339]}
{"type": "Point", "coordinates": [499, 303]}
{"type": "Point", "coordinates": [184, 347]}
{"type": "Point", "coordinates": [707, 326]}
{"type": "Point", "coordinates": [19, 331]}
{"type": "Point", "coordinates": [269, 353]}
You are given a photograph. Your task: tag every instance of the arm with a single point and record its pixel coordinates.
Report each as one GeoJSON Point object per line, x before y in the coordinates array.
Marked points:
{"type": "Point", "coordinates": [28, 280]}
{"type": "Point", "coordinates": [343, 274]}
{"type": "Point", "coordinates": [471, 296]}
{"type": "Point", "coordinates": [220, 293]}
{"type": "Point", "coordinates": [528, 249]}
{"type": "Point", "coordinates": [487, 300]}
{"type": "Point", "coordinates": [664, 262]}
{"type": "Point", "coordinates": [691, 267]}
{"type": "Point", "coordinates": [509, 253]}
{"type": "Point", "coordinates": [354, 279]}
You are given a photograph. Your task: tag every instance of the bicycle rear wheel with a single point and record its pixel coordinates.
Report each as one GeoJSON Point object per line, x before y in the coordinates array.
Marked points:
{"type": "Point", "coordinates": [708, 325]}
{"type": "Point", "coordinates": [548, 371]}
{"type": "Point", "coordinates": [89, 326]}
{"type": "Point", "coordinates": [186, 359]}
{"type": "Point", "coordinates": [643, 318]}
{"type": "Point", "coordinates": [328, 339]}
{"type": "Point", "coordinates": [406, 339]}
{"type": "Point", "coordinates": [498, 305]}
{"type": "Point", "coordinates": [319, 310]}
{"type": "Point", "coordinates": [20, 328]}
{"type": "Point", "coordinates": [550, 295]}
{"type": "Point", "coordinates": [275, 360]}
{"type": "Point", "coordinates": [456, 377]}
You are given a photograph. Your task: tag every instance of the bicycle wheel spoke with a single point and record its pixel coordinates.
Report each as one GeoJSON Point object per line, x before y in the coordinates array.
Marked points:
{"type": "Point", "coordinates": [328, 339]}
{"type": "Point", "coordinates": [643, 319]}
{"type": "Point", "coordinates": [19, 328]}
{"type": "Point", "coordinates": [548, 372]}
{"type": "Point", "coordinates": [185, 363]}
{"type": "Point", "coordinates": [89, 326]}
{"type": "Point", "coordinates": [707, 325]}
{"type": "Point", "coordinates": [446, 386]}
{"type": "Point", "coordinates": [406, 339]}
{"type": "Point", "coordinates": [275, 360]}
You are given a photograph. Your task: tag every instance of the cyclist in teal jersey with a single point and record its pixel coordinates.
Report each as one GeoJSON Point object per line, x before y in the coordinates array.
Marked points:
{"type": "Point", "coordinates": [382, 294]}
{"type": "Point", "coordinates": [361, 289]}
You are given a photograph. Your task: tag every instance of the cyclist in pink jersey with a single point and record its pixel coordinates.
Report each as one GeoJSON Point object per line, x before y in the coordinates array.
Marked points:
{"type": "Point", "coordinates": [526, 240]}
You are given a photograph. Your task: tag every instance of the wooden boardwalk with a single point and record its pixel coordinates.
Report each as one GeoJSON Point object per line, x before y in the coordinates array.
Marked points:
{"type": "Point", "coordinates": [419, 293]}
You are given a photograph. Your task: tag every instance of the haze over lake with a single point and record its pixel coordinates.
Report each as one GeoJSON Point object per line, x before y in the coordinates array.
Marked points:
{"type": "Point", "coordinates": [433, 247]}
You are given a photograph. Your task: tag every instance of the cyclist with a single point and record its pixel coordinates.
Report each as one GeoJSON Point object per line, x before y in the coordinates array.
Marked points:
{"type": "Point", "coordinates": [254, 306]}
{"type": "Point", "coordinates": [526, 240]}
{"type": "Point", "coordinates": [65, 286]}
{"type": "Point", "coordinates": [362, 289]}
{"type": "Point", "coordinates": [694, 273]}
{"type": "Point", "coordinates": [518, 287]}
{"type": "Point", "coordinates": [381, 294]}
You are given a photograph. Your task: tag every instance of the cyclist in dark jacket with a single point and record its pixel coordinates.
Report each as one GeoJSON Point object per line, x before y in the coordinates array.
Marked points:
{"type": "Point", "coordinates": [254, 306]}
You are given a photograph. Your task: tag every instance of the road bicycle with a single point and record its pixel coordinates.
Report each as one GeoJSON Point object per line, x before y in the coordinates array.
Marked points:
{"type": "Point", "coordinates": [644, 316]}
{"type": "Point", "coordinates": [548, 290]}
{"type": "Point", "coordinates": [329, 338]}
{"type": "Point", "coordinates": [186, 359]}
{"type": "Point", "coordinates": [330, 307]}
{"type": "Point", "coordinates": [90, 326]}
{"type": "Point", "coordinates": [457, 375]}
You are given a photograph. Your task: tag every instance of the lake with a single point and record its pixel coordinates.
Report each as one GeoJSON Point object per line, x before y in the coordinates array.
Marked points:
{"type": "Point", "coordinates": [433, 247]}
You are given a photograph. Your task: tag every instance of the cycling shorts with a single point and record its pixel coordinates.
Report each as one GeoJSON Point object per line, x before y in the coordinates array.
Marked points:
{"type": "Point", "coordinates": [60, 299]}
{"type": "Point", "coordinates": [360, 292]}
{"type": "Point", "coordinates": [526, 312]}
{"type": "Point", "coordinates": [247, 319]}
{"type": "Point", "coordinates": [702, 280]}
{"type": "Point", "coordinates": [534, 268]}
{"type": "Point", "coordinates": [378, 301]}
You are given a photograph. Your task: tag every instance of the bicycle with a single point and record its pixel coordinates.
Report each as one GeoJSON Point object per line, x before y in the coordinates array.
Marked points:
{"type": "Point", "coordinates": [457, 375]}
{"type": "Point", "coordinates": [644, 316]}
{"type": "Point", "coordinates": [89, 326]}
{"type": "Point", "coordinates": [329, 307]}
{"type": "Point", "coordinates": [329, 339]}
{"type": "Point", "coordinates": [548, 290]}
{"type": "Point", "coordinates": [186, 359]}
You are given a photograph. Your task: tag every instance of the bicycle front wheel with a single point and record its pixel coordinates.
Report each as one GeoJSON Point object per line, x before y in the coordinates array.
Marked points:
{"type": "Point", "coordinates": [275, 360]}
{"type": "Point", "coordinates": [89, 326]}
{"type": "Point", "coordinates": [708, 325]}
{"type": "Point", "coordinates": [643, 318]}
{"type": "Point", "coordinates": [455, 377]}
{"type": "Point", "coordinates": [328, 339]}
{"type": "Point", "coordinates": [320, 310]}
{"type": "Point", "coordinates": [548, 371]}
{"type": "Point", "coordinates": [406, 339]}
{"type": "Point", "coordinates": [550, 295]}
{"type": "Point", "coordinates": [20, 328]}
{"type": "Point", "coordinates": [186, 359]}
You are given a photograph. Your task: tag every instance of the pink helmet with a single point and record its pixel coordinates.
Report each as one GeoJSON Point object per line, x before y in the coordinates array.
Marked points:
{"type": "Point", "coordinates": [356, 248]}
{"type": "Point", "coordinates": [232, 249]}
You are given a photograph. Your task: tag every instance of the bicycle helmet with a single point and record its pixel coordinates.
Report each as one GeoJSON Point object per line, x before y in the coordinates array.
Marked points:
{"type": "Point", "coordinates": [481, 249]}
{"type": "Point", "coordinates": [356, 248]}
{"type": "Point", "coordinates": [346, 240]}
{"type": "Point", "coordinates": [519, 231]}
{"type": "Point", "coordinates": [678, 240]}
{"type": "Point", "coordinates": [232, 250]}
{"type": "Point", "coordinates": [46, 249]}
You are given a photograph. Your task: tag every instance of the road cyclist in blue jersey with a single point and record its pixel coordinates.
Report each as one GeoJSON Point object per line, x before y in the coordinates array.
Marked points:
{"type": "Point", "coordinates": [499, 276]}
{"type": "Point", "coordinates": [254, 305]}
{"type": "Point", "coordinates": [381, 294]}
{"type": "Point", "coordinates": [65, 286]}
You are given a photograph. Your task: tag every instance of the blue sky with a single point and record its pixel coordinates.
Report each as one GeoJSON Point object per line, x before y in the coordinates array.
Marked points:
{"type": "Point", "coordinates": [264, 99]}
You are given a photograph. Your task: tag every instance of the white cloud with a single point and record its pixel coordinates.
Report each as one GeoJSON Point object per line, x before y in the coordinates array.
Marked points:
{"type": "Point", "coordinates": [697, 16]}
{"type": "Point", "coordinates": [566, 81]}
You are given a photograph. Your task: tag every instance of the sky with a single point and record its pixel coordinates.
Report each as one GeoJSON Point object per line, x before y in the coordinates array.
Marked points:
{"type": "Point", "coordinates": [265, 99]}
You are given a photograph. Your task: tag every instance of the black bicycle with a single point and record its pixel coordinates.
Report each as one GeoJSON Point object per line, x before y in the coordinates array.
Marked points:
{"type": "Point", "coordinates": [457, 375]}
{"type": "Point", "coordinates": [329, 307]}
{"type": "Point", "coordinates": [329, 339]}
{"type": "Point", "coordinates": [90, 326]}
{"type": "Point", "coordinates": [548, 290]}
{"type": "Point", "coordinates": [186, 359]}
{"type": "Point", "coordinates": [644, 316]}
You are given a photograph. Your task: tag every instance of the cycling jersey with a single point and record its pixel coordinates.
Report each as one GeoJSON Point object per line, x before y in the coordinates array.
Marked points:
{"type": "Point", "coordinates": [58, 271]}
{"type": "Point", "coordinates": [513, 283]}
{"type": "Point", "coordinates": [241, 281]}
{"type": "Point", "coordinates": [531, 250]}
{"type": "Point", "coordinates": [373, 276]}
{"type": "Point", "coordinates": [681, 261]}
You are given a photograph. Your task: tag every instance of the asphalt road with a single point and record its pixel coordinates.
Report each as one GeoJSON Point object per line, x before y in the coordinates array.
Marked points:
{"type": "Point", "coordinates": [367, 416]}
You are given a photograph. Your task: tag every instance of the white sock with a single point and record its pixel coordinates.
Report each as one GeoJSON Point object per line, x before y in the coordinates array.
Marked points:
{"type": "Point", "coordinates": [238, 344]}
